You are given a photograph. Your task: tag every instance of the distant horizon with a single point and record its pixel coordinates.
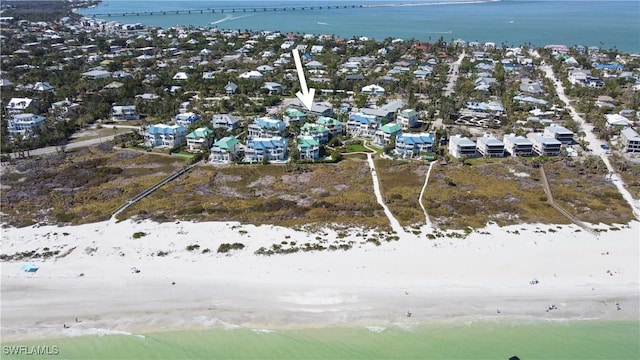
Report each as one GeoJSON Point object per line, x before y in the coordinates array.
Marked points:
{"type": "Point", "coordinates": [509, 22]}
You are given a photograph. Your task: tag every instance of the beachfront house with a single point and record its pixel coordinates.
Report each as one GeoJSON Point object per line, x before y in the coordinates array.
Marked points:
{"type": "Point", "coordinates": [225, 150]}
{"type": "Point", "coordinates": [460, 146]}
{"type": "Point", "coordinates": [199, 139]}
{"type": "Point", "coordinates": [386, 134]}
{"type": "Point", "coordinates": [630, 140]}
{"type": "Point", "coordinates": [334, 126]}
{"type": "Point", "coordinates": [308, 147]}
{"type": "Point", "coordinates": [517, 145]}
{"type": "Point", "coordinates": [21, 124]}
{"type": "Point", "coordinates": [123, 113]}
{"type": "Point", "coordinates": [489, 146]}
{"type": "Point", "coordinates": [163, 135]}
{"type": "Point", "coordinates": [545, 145]}
{"type": "Point", "coordinates": [361, 125]}
{"type": "Point", "coordinates": [266, 127]}
{"type": "Point", "coordinates": [410, 145]}
{"type": "Point", "coordinates": [225, 121]}
{"type": "Point", "coordinates": [408, 118]}
{"type": "Point", "coordinates": [270, 148]}
{"type": "Point", "coordinates": [559, 133]}
{"type": "Point", "coordinates": [317, 131]}
{"type": "Point", "coordinates": [186, 119]}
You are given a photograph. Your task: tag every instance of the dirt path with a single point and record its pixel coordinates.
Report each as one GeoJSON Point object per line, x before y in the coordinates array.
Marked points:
{"type": "Point", "coordinates": [424, 188]}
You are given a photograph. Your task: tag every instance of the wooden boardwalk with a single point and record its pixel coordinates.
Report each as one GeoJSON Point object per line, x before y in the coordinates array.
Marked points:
{"type": "Point", "coordinates": [226, 10]}
{"type": "Point", "coordinates": [547, 189]}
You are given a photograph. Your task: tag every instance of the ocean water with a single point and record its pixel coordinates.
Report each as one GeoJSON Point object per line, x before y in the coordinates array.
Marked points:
{"type": "Point", "coordinates": [610, 24]}
{"type": "Point", "coordinates": [478, 340]}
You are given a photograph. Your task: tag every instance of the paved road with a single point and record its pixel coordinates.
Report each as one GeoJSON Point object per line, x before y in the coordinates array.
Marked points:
{"type": "Point", "coordinates": [452, 78]}
{"type": "Point", "coordinates": [594, 142]}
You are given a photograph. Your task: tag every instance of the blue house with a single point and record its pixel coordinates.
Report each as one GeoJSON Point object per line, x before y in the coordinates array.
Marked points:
{"type": "Point", "coordinates": [267, 127]}
{"type": "Point", "coordinates": [271, 148]}
{"type": "Point", "coordinates": [414, 144]}
{"type": "Point", "coordinates": [360, 124]}
{"type": "Point", "coordinates": [186, 119]}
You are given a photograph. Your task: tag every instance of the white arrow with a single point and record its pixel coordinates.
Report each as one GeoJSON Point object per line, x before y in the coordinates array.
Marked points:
{"type": "Point", "coordinates": [306, 96]}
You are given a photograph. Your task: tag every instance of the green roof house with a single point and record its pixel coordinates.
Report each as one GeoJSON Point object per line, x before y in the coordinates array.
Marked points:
{"type": "Point", "coordinates": [386, 133]}
{"type": "Point", "coordinates": [224, 150]}
{"type": "Point", "coordinates": [198, 139]}
{"type": "Point", "coordinates": [294, 115]}
{"type": "Point", "coordinates": [317, 131]}
{"type": "Point", "coordinates": [309, 147]}
{"type": "Point", "coordinates": [333, 125]}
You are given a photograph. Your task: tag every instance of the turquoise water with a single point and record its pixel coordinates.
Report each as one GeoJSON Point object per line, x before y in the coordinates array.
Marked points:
{"type": "Point", "coordinates": [480, 340]}
{"type": "Point", "coordinates": [608, 24]}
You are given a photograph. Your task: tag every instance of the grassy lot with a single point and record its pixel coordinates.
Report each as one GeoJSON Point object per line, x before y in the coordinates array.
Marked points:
{"type": "Point", "coordinates": [504, 191]}
{"type": "Point", "coordinates": [86, 186]}
{"type": "Point", "coordinates": [319, 193]}
{"type": "Point", "coordinates": [588, 196]}
{"type": "Point", "coordinates": [401, 182]}
{"type": "Point", "coordinates": [630, 173]}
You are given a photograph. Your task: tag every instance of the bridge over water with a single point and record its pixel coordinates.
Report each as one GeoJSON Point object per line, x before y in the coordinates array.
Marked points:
{"type": "Point", "coordinates": [227, 10]}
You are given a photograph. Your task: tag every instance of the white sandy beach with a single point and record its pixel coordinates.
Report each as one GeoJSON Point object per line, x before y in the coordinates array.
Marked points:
{"type": "Point", "coordinates": [446, 279]}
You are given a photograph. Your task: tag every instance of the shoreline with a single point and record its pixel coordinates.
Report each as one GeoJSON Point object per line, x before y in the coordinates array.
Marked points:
{"type": "Point", "coordinates": [443, 280]}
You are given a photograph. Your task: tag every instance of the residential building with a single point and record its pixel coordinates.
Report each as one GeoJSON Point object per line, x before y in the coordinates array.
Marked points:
{"type": "Point", "coordinates": [617, 120]}
{"type": "Point", "coordinates": [317, 109]}
{"type": "Point", "coordinates": [163, 135]}
{"type": "Point", "coordinates": [266, 127]}
{"type": "Point", "coordinates": [408, 118]}
{"type": "Point", "coordinates": [225, 121]}
{"type": "Point", "coordinates": [517, 145]}
{"type": "Point", "coordinates": [293, 115]}
{"type": "Point", "coordinates": [386, 133]}
{"type": "Point", "coordinates": [20, 124]}
{"type": "Point", "coordinates": [63, 109]}
{"type": "Point", "coordinates": [317, 131]}
{"type": "Point", "coordinates": [21, 105]}
{"type": "Point", "coordinates": [121, 113]}
{"type": "Point", "coordinates": [334, 126]}
{"type": "Point", "coordinates": [545, 145]}
{"type": "Point", "coordinates": [414, 144]}
{"type": "Point", "coordinates": [231, 88]}
{"type": "Point", "coordinates": [362, 125]}
{"type": "Point", "coordinates": [308, 147]}
{"type": "Point", "coordinates": [96, 74]}
{"type": "Point", "coordinates": [489, 146]}
{"type": "Point", "coordinates": [272, 148]}
{"type": "Point", "coordinates": [460, 146]}
{"type": "Point", "coordinates": [273, 87]}
{"type": "Point", "coordinates": [199, 139]}
{"type": "Point", "coordinates": [559, 133]}
{"type": "Point", "coordinates": [224, 150]}
{"type": "Point", "coordinates": [187, 118]}
{"type": "Point", "coordinates": [373, 90]}
{"type": "Point", "coordinates": [531, 87]}
{"type": "Point", "coordinates": [630, 140]}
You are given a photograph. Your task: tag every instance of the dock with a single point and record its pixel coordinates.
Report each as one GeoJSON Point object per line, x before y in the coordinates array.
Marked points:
{"type": "Point", "coordinates": [226, 10]}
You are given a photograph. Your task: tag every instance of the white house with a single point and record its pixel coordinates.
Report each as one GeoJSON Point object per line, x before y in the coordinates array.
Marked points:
{"type": "Point", "coordinates": [253, 75]}
{"type": "Point", "coordinates": [545, 145]}
{"type": "Point", "coordinates": [20, 105]}
{"type": "Point", "coordinates": [198, 139]}
{"type": "Point", "coordinates": [373, 90]}
{"type": "Point", "coordinates": [489, 146]}
{"type": "Point", "coordinates": [617, 120]}
{"type": "Point", "coordinates": [460, 146]}
{"type": "Point", "coordinates": [517, 145]}
{"type": "Point", "coordinates": [181, 75]}
{"type": "Point", "coordinates": [127, 112]}
{"type": "Point", "coordinates": [630, 140]}
{"type": "Point", "coordinates": [559, 133]}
